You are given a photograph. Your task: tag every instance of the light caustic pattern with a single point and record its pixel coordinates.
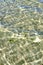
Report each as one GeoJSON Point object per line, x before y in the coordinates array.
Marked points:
{"type": "Point", "coordinates": [21, 32]}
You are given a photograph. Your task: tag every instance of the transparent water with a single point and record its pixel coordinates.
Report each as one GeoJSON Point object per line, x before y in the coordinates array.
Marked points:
{"type": "Point", "coordinates": [21, 32]}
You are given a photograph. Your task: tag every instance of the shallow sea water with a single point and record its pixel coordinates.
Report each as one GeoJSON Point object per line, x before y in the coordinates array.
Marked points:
{"type": "Point", "coordinates": [21, 32]}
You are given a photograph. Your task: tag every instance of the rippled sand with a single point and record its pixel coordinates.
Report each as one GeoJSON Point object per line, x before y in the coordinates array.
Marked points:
{"type": "Point", "coordinates": [21, 32]}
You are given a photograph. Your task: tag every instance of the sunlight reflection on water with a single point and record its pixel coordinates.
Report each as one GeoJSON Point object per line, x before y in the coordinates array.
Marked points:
{"type": "Point", "coordinates": [21, 32]}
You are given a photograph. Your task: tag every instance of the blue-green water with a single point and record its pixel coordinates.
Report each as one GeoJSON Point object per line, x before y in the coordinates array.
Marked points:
{"type": "Point", "coordinates": [21, 32]}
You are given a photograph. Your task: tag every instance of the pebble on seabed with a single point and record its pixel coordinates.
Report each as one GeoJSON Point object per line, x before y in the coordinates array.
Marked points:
{"type": "Point", "coordinates": [37, 39]}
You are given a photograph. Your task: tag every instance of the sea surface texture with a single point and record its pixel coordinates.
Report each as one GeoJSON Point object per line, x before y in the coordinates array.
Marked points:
{"type": "Point", "coordinates": [21, 32]}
